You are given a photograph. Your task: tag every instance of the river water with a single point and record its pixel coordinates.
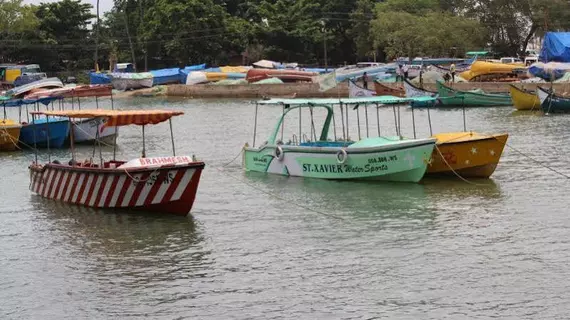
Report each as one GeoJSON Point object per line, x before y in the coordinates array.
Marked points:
{"type": "Point", "coordinates": [270, 247]}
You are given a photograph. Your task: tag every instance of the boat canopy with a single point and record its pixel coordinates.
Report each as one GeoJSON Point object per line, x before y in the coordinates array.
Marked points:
{"type": "Point", "coordinates": [78, 91]}
{"type": "Point", "coordinates": [117, 117]}
{"type": "Point", "coordinates": [7, 102]}
{"type": "Point", "coordinates": [352, 101]}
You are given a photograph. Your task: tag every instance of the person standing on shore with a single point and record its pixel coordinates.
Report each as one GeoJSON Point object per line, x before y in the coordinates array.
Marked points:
{"type": "Point", "coordinates": [405, 69]}
{"type": "Point", "coordinates": [399, 73]}
{"type": "Point", "coordinates": [452, 70]}
{"type": "Point", "coordinates": [365, 80]}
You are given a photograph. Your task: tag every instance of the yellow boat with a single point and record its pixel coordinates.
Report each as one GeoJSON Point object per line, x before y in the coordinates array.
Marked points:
{"type": "Point", "coordinates": [480, 68]}
{"type": "Point", "coordinates": [9, 135]}
{"type": "Point", "coordinates": [524, 100]}
{"type": "Point", "coordinates": [468, 154]}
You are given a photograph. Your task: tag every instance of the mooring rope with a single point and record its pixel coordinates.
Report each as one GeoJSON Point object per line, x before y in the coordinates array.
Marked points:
{"type": "Point", "coordinates": [537, 162]}
{"type": "Point", "coordinates": [455, 172]}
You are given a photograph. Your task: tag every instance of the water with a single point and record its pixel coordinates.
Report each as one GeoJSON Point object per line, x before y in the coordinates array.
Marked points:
{"type": "Point", "coordinates": [270, 247]}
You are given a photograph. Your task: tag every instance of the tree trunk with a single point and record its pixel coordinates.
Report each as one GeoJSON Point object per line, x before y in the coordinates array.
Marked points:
{"type": "Point", "coordinates": [530, 34]}
{"type": "Point", "coordinates": [97, 40]}
{"type": "Point", "coordinates": [129, 37]}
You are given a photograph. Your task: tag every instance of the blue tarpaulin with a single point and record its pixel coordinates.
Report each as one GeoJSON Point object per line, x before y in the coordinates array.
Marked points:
{"type": "Point", "coordinates": [164, 76]}
{"type": "Point", "coordinates": [183, 73]}
{"type": "Point", "coordinates": [555, 47]}
{"type": "Point", "coordinates": [99, 78]}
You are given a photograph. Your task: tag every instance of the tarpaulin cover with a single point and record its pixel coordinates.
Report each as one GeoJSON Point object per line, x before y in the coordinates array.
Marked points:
{"type": "Point", "coordinates": [99, 78]}
{"type": "Point", "coordinates": [183, 74]}
{"type": "Point", "coordinates": [164, 76]}
{"type": "Point", "coordinates": [549, 71]}
{"type": "Point", "coordinates": [555, 47]}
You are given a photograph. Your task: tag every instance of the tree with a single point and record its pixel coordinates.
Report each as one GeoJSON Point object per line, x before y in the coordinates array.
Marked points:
{"type": "Point", "coordinates": [404, 29]}
{"type": "Point", "coordinates": [360, 31]}
{"type": "Point", "coordinates": [63, 28]}
{"type": "Point", "coordinates": [17, 21]}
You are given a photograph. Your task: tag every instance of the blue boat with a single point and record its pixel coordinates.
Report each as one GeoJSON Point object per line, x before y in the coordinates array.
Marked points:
{"type": "Point", "coordinates": [56, 130]}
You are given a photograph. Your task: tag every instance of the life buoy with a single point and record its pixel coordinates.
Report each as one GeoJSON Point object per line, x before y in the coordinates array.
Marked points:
{"type": "Point", "coordinates": [279, 154]}
{"type": "Point", "coordinates": [341, 156]}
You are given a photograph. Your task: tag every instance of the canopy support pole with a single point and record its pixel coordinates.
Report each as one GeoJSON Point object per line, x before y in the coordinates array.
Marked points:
{"type": "Point", "coordinates": [300, 127]}
{"type": "Point", "coordinates": [172, 137]}
{"type": "Point", "coordinates": [399, 123]}
{"type": "Point", "coordinates": [255, 124]}
{"type": "Point", "coordinates": [396, 120]}
{"type": "Point", "coordinates": [313, 130]}
{"type": "Point", "coordinates": [347, 130]}
{"type": "Point", "coordinates": [414, 122]}
{"type": "Point", "coordinates": [34, 131]}
{"type": "Point", "coordinates": [378, 118]}
{"type": "Point", "coordinates": [366, 116]}
{"type": "Point", "coordinates": [112, 104]}
{"type": "Point", "coordinates": [429, 121]}
{"type": "Point", "coordinates": [358, 121]}
{"type": "Point", "coordinates": [99, 143]}
{"type": "Point", "coordinates": [342, 120]}
{"type": "Point", "coordinates": [144, 143]}
{"type": "Point", "coordinates": [96, 102]}
{"type": "Point", "coordinates": [334, 125]}
{"type": "Point", "coordinates": [78, 103]}
{"type": "Point", "coordinates": [47, 130]}
{"type": "Point", "coordinates": [282, 122]}
{"type": "Point", "coordinates": [72, 142]}
{"type": "Point", "coordinates": [115, 145]}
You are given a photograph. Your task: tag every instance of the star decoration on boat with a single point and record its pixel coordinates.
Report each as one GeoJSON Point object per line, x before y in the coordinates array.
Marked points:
{"type": "Point", "coordinates": [492, 152]}
{"type": "Point", "coordinates": [467, 161]}
{"type": "Point", "coordinates": [474, 150]}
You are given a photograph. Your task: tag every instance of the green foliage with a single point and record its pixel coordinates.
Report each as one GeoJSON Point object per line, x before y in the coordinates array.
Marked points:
{"type": "Point", "coordinates": [166, 33]}
{"type": "Point", "coordinates": [402, 29]}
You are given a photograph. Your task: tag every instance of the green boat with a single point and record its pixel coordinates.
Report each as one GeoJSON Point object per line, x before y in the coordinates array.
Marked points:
{"type": "Point", "coordinates": [475, 98]}
{"type": "Point", "coordinates": [387, 158]}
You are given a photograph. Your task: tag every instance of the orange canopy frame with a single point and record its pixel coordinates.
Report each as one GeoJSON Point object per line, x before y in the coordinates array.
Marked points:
{"type": "Point", "coordinates": [117, 118]}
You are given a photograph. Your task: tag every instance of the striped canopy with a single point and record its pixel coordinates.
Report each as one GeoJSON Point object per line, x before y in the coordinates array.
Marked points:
{"type": "Point", "coordinates": [118, 117]}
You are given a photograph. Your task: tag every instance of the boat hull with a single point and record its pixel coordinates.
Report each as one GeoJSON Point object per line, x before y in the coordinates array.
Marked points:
{"type": "Point", "coordinates": [411, 91]}
{"type": "Point", "coordinates": [87, 131]}
{"type": "Point", "coordinates": [452, 97]}
{"type": "Point", "coordinates": [131, 83]}
{"type": "Point", "coordinates": [385, 90]}
{"type": "Point", "coordinates": [166, 189]}
{"type": "Point", "coordinates": [467, 154]}
{"type": "Point", "coordinates": [9, 135]}
{"type": "Point", "coordinates": [523, 100]}
{"type": "Point", "coordinates": [405, 162]}
{"type": "Point", "coordinates": [42, 134]}
{"type": "Point", "coordinates": [551, 103]}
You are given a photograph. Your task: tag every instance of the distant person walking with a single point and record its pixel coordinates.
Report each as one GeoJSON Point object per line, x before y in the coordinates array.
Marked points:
{"type": "Point", "coordinates": [405, 69]}
{"type": "Point", "coordinates": [365, 80]}
{"type": "Point", "coordinates": [452, 70]}
{"type": "Point", "coordinates": [399, 73]}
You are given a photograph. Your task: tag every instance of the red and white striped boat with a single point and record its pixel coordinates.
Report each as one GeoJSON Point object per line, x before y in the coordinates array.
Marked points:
{"type": "Point", "coordinates": [161, 184]}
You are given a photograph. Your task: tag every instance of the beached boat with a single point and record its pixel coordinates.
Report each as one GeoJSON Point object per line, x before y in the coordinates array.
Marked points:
{"type": "Point", "coordinates": [412, 91]}
{"type": "Point", "coordinates": [523, 99]}
{"type": "Point", "coordinates": [482, 68]}
{"type": "Point", "coordinates": [388, 158]}
{"type": "Point", "coordinates": [84, 130]}
{"type": "Point", "coordinates": [551, 102]}
{"type": "Point", "coordinates": [159, 184]}
{"type": "Point", "coordinates": [474, 98]}
{"type": "Point", "coordinates": [45, 133]}
{"type": "Point", "coordinates": [395, 90]}
{"type": "Point", "coordinates": [354, 90]}
{"type": "Point", "coordinates": [468, 154]}
{"type": "Point", "coordinates": [127, 81]}
{"type": "Point", "coordinates": [286, 75]}
{"type": "Point", "coordinates": [9, 135]}
{"type": "Point", "coordinates": [47, 83]}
